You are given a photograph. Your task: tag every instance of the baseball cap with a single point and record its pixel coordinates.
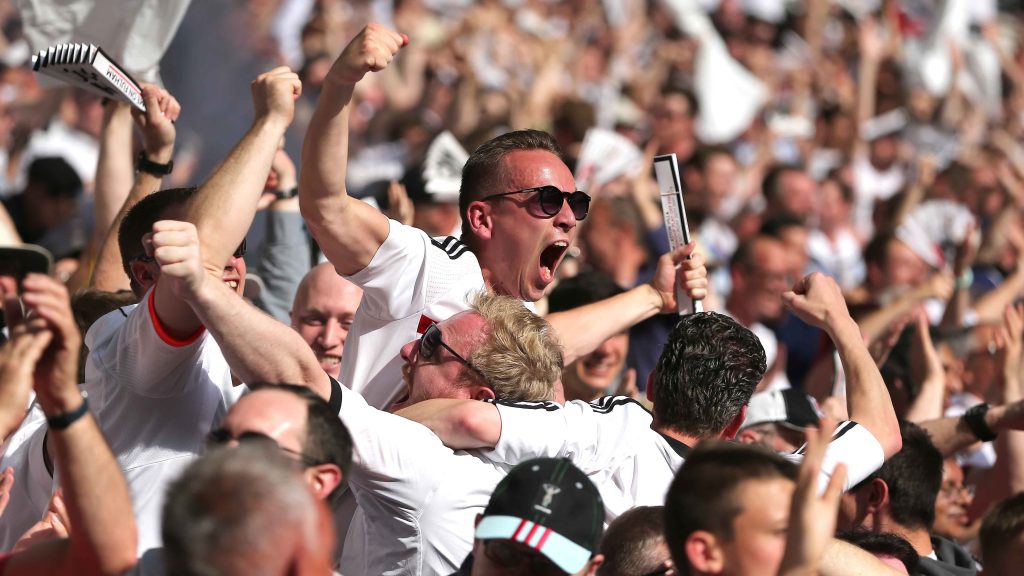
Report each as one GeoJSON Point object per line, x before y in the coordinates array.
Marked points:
{"type": "Point", "coordinates": [790, 408]}
{"type": "Point", "coordinates": [551, 506]}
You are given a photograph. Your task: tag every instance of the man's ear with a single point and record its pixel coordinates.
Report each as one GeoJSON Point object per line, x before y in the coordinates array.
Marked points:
{"type": "Point", "coordinates": [650, 387]}
{"type": "Point", "coordinates": [593, 565]}
{"type": "Point", "coordinates": [324, 478]}
{"type": "Point", "coordinates": [878, 495]}
{"type": "Point", "coordinates": [478, 216]}
{"type": "Point", "coordinates": [483, 393]}
{"type": "Point", "coordinates": [704, 553]}
{"type": "Point", "coordinates": [734, 426]}
{"type": "Point", "coordinates": [142, 274]}
{"type": "Point", "coordinates": [476, 521]}
{"type": "Point", "coordinates": [747, 436]}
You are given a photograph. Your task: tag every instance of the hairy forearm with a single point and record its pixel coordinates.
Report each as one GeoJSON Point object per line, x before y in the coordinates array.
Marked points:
{"type": "Point", "coordinates": [866, 394]}
{"type": "Point", "coordinates": [257, 347]}
{"type": "Point", "coordinates": [223, 208]}
{"type": "Point", "coordinates": [581, 330]}
{"type": "Point", "coordinates": [460, 424]}
{"type": "Point", "coordinates": [951, 435]}
{"type": "Point", "coordinates": [114, 168]}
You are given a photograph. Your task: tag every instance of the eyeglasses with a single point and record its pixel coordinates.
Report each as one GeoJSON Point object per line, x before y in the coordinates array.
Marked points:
{"type": "Point", "coordinates": [429, 342]}
{"type": "Point", "coordinates": [507, 554]}
{"type": "Point", "coordinates": [222, 436]}
{"type": "Point", "coordinates": [952, 491]}
{"type": "Point", "coordinates": [238, 253]}
{"type": "Point", "coordinates": [550, 199]}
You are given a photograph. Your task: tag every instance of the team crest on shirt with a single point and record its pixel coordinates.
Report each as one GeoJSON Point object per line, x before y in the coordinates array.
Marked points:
{"type": "Point", "coordinates": [550, 490]}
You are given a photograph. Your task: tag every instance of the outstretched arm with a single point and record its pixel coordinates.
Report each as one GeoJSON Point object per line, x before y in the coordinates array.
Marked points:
{"type": "Point", "coordinates": [818, 300]}
{"type": "Point", "coordinates": [95, 492]}
{"type": "Point", "coordinates": [581, 330]}
{"type": "Point", "coordinates": [348, 231]}
{"type": "Point", "coordinates": [460, 424]}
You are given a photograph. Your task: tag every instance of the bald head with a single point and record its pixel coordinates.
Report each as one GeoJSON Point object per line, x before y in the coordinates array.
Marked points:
{"type": "Point", "coordinates": [322, 313]}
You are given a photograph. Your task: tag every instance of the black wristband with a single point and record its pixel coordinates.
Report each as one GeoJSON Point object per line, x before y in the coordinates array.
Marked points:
{"type": "Point", "coordinates": [975, 420]}
{"type": "Point", "coordinates": [286, 194]}
{"type": "Point", "coordinates": [62, 421]}
{"type": "Point", "coordinates": [336, 395]}
{"type": "Point", "coordinates": [144, 164]}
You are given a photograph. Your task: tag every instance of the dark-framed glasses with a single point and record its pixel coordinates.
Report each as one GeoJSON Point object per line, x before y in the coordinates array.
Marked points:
{"type": "Point", "coordinates": [429, 342]}
{"type": "Point", "coordinates": [221, 436]}
{"type": "Point", "coordinates": [550, 200]}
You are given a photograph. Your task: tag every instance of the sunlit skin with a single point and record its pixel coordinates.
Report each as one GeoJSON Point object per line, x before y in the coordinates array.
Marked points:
{"type": "Point", "coordinates": [951, 503]}
{"type": "Point", "coordinates": [759, 287]}
{"type": "Point", "coordinates": [441, 376]}
{"type": "Point", "coordinates": [591, 376]}
{"type": "Point", "coordinates": [274, 413]}
{"type": "Point", "coordinates": [759, 530]}
{"type": "Point", "coordinates": [520, 251]}
{"type": "Point", "coordinates": [324, 308]}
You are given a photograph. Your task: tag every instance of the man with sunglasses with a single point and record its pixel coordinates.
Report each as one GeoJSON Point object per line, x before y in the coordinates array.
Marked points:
{"type": "Point", "coordinates": [520, 209]}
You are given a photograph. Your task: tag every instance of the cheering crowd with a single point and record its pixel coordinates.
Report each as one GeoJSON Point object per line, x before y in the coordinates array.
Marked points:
{"type": "Point", "coordinates": [422, 315]}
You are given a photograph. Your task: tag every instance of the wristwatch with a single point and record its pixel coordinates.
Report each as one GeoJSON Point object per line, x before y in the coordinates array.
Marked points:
{"type": "Point", "coordinates": [144, 164]}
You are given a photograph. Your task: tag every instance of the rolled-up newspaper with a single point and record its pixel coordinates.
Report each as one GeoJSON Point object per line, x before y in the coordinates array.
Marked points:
{"type": "Point", "coordinates": [87, 66]}
{"type": "Point", "coordinates": [666, 169]}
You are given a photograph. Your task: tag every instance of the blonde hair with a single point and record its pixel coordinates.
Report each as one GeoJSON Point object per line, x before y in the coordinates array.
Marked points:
{"type": "Point", "coordinates": [521, 358]}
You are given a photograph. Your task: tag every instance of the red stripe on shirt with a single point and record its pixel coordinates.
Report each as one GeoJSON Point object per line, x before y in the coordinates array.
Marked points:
{"type": "Point", "coordinates": [162, 332]}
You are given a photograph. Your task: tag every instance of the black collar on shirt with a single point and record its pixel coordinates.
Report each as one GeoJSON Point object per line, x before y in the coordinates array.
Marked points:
{"type": "Point", "coordinates": [680, 448]}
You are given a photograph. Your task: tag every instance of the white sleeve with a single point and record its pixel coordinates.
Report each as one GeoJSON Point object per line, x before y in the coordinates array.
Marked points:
{"type": "Point", "coordinates": [393, 282]}
{"type": "Point", "coordinates": [593, 435]}
{"type": "Point", "coordinates": [853, 445]}
{"type": "Point", "coordinates": [394, 458]}
{"type": "Point", "coordinates": [143, 357]}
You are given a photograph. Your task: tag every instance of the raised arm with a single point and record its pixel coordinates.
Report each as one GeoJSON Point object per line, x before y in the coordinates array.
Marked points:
{"type": "Point", "coordinates": [158, 136]}
{"type": "Point", "coordinates": [348, 231]}
{"type": "Point", "coordinates": [258, 348]}
{"type": "Point", "coordinates": [223, 208]}
{"type": "Point", "coordinates": [581, 330]}
{"type": "Point", "coordinates": [95, 493]}
{"type": "Point", "coordinates": [818, 300]}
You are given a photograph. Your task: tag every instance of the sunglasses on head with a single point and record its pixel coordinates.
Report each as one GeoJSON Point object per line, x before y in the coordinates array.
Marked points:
{"type": "Point", "coordinates": [221, 436]}
{"type": "Point", "coordinates": [238, 253]}
{"type": "Point", "coordinates": [429, 342]}
{"type": "Point", "coordinates": [550, 199]}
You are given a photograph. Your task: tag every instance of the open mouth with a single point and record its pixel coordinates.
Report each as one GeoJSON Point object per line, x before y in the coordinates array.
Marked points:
{"type": "Point", "coordinates": [550, 258]}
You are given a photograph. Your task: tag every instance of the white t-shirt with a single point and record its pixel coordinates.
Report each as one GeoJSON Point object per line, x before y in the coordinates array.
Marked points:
{"type": "Point", "coordinates": [611, 440]}
{"type": "Point", "coordinates": [411, 281]}
{"type": "Point", "coordinates": [33, 485]}
{"type": "Point", "coordinates": [156, 399]}
{"type": "Point", "coordinates": [418, 499]}
{"type": "Point", "coordinates": [842, 259]}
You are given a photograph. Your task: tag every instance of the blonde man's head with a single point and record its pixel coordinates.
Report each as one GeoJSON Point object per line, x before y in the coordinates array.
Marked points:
{"type": "Point", "coordinates": [520, 357]}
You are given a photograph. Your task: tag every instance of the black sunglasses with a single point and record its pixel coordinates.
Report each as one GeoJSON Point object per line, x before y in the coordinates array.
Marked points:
{"type": "Point", "coordinates": [551, 199]}
{"type": "Point", "coordinates": [221, 436]}
{"type": "Point", "coordinates": [239, 252]}
{"type": "Point", "coordinates": [429, 342]}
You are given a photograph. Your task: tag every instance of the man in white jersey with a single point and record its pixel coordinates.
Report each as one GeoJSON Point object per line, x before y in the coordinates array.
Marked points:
{"type": "Point", "coordinates": [519, 207]}
{"type": "Point", "coordinates": [419, 498]}
{"type": "Point", "coordinates": [703, 381]}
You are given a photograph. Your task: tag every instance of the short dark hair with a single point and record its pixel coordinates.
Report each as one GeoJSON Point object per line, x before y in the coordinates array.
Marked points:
{"type": "Point", "coordinates": [585, 288]}
{"type": "Point", "coordinates": [914, 476]}
{"type": "Point", "coordinates": [883, 544]}
{"type": "Point", "coordinates": [707, 372]}
{"type": "Point", "coordinates": [628, 543]}
{"type": "Point", "coordinates": [877, 249]}
{"type": "Point", "coordinates": [1001, 529]}
{"type": "Point", "coordinates": [55, 176]}
{"type": "Point", "coordinates": [775, 226]}
{"type": "Point", "coordinates": [485, 168]}
{"type": "Point", "coordinates": [140, 219]}
{"type": "Point", "coordinates": [327, 438]}
{"type": "Point", "coordinates": [703, 494]}
{"type": "Point", "coordinates": [671, 89]}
